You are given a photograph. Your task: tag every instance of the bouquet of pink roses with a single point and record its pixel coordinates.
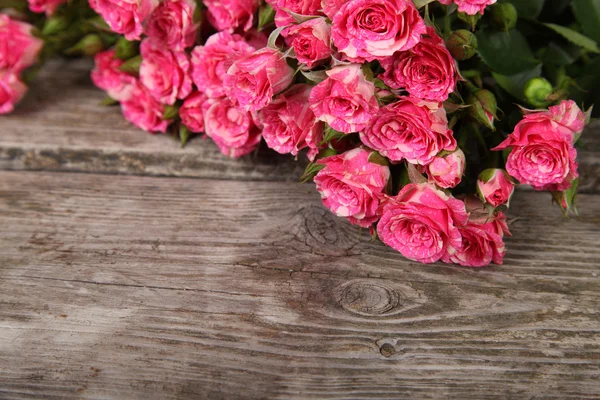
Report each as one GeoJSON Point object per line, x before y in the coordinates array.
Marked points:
{"type": "Point", "coordinates": [408, 110]}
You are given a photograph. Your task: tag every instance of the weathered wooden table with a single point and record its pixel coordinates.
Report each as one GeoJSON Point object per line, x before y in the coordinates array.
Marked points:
{"type": "Point", "coordinates": [227, 279]}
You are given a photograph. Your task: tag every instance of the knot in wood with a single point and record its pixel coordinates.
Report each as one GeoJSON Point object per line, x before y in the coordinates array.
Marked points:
{"type": "Point", "coordinates": [367, 298]}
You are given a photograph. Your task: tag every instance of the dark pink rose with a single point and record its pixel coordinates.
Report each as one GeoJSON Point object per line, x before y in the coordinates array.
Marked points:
{"type": "Point", "coordinates": [410, 129]}
{"type": "Point", "coordinates": [45, 6]}
{"type": "Point", "coordinates": [470, 7]}
{"type": "Point", "coordinates": [351, 186]}
{"type": "Point", "coordinates": [253, 79]}
{"type": "Point", "coordinates": [426, 71]}
{"type": "Point", "coordinates": [422, 222]}
{"type": "Point", "coordinates": [125, 16]}
{"type": "Point", "coordinates": [366, 30]}
{"type": "Point", "coordinates": [311, 41]}
{"type": "Point", "coordinates": [211, 61]}
{"type": "Point", "coordinates": [288, 123]}
{"type": "Point", "coordinates": [12, 91]}
{"type": "Point", "coordinates": [107, 76]}
{"type": "Point", "coordinates": [171, 24]}
{"type": "Point", "coordinates": [232, 129]}
{"type": "Point", "coordinates": [165, 73]}
{"type": "Point", "coordinates": [19, 49]}
{"type": "Point", "coordinates": [300, 7]}
{"type": "Point", "coordinates": [495, 187]}
{"type": "Point", "coordinates": [447, 170]}
{"type": "Point", "coordinates": [142, 110]}
{"type": "Point", "coordinates": [229, 15]}
{"type": "Point", "coordinates": [345, 100]}
{"type": "Point", "coordinates": [192, 110]}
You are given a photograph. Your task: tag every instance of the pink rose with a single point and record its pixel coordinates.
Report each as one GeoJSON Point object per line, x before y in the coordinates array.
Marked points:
{"type": "Point", "coordinates": [422, 223]}
{"type": "Point", "coordinates": [470, 7]}
{"type": "Point", "coordinates": [45, 6]}
{"type": "Point", "coordinates": [228, 15]}
{"type": "Point", "coordinates": [107, 76]}
{"type": "Point", "coordinates": [300, 7]}
{"type": "Point", "coordinates": [495, 187]}
{"type": "Point", "coordinates": [288, 123]}
{"type": "Point", "coordinates": [410, 129]}
{"type": "Point", "coordinates": [447, 170]}
{"type": "Point", "coordinates": [142, 110]}
{"type": "Point", "coordinates": [12, 91]}
{"type": "Point", "coordinates": [365, 30]}
{"type": "Point", "coordinates": [311, 41]}
{"type": "Point", "coordinates": [345, 100]}
{"type": "Point", "coordinates": [232, 129]}
{"type": "Point", "coordinates": [351, 186]}
{"type": "Point", "coordinates": [426, 71]}
{"type": "Point", "coordinates": [253, 79]}
{"type": "Point", "coordinates": [165, 73]}
{"type": "Point", "coordinates": [19, 49]}
{"type": "Point", "coordinates": [191, 112]}
{"type": "Point", "coordinates": [171, 24]}
{"type": "Point", "coordinates": [331, 7]}
{"type": "Point", "coordinates": [125, 16]}
{"type": "Point", "coordinates": [211, 61]}
{"type": "Point", "coordinates": [542, 153]}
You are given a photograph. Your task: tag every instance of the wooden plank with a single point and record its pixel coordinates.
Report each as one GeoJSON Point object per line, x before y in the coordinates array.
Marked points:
{"type": "Point", "coordinates": [140, 287]}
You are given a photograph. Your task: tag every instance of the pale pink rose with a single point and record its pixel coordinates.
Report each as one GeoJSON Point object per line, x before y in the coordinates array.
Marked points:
{"type": "Point", "coordinates": [345, 100]}
{"type": "Point", "coordinates": [351, 186]}
{"type": "Point", "coordinates": [426, 71]}
{"type": "Point", "coordinates": [232, 129]}
{"type": "Point", "coordinates": [447, 170]}
{"type": "Point", "coordinates": [165, 73]}
{"type": "Point", "coordinates": [45, 6]}
{"type": "Point", "coordinates": [229, 15]}
{"type": "Point", "coordinates": [211, 61]}
{"type": "Point", "coordinates": [495, 187]}
{"type": "Point", "coordinates": [410, 129]}
{"type": "Point", "coordinates": [253, 79]}
{"type": "Point", "coordinates": [19, 49]}
{"type": "Point", "coordinates": [543, 154]}
{"type": "Point", "coordinates": [171, 24]}
{"type": "Point", "coordinates": [470, 7]}
{"type": "Point", "coordinates": [107, 76]}
{"type": "Point", "coordinates": [125, 16]}
{"type": "Point", "coordinates": [422, 223]}
{"type": "Point", "coordinates": [142, 110]}
{"type": "Point", "coordinates": [366, 30]}
{"type": "Point", "coordinates": [12, 91]}
{"type": "Point", "coordinates": [288, 123]}
{"type": "Point", "coordinates": [300, 7]}
{"type": "Point", "coordinates": [192, 110]}
{"type": "Point", "coordinates": [311, 41]}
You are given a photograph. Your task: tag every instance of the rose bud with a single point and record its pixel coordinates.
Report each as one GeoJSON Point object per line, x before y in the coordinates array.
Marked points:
{"type": "Point", "coordinates": [462, 44]}
{"type": "Point", "coordinates": [55, 24]}
{"type": "Point", "coordinates": [90, 45]}
{"type": "Point", "coordinates": [566, 199]}
{"type": "Point", "coordinates": [537, 92]}
{"type": "Point", "coordinates": [483, 107]}
{"type": "Point", "coordinates": [495, 187]}
{"type": "Point", "coordinates": [447, 170]}
{"type": "Point", "coordinates": [504, 15]}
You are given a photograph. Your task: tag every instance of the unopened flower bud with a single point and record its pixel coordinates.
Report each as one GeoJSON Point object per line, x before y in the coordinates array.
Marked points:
{"type": "Point", "coordinates": [495, 187]}
{"type": "Point", "coordinates": [538, 91]}
{"type": "Point", "coordinates": [446, 170]}
{"type": "Point", "coordinates": [483, 107]}
{"type": "Point", "coordinates": [462, 44]}
{"type": "Point", "coordinates": [504, 15]}
{"type": "Point", "coordinates": [55, 24]}
{"type": "Point", "coordinates": [90, 45]}
{"type": "Point", "coordinates": [566, 199]}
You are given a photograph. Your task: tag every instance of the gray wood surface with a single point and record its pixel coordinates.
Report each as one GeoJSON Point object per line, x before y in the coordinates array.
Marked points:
{"type": "Point", "coordinates": [144, 287]}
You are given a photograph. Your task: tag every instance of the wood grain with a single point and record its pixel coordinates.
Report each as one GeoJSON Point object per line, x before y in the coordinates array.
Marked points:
{"type": "Point", "coordinates": [142, 288]}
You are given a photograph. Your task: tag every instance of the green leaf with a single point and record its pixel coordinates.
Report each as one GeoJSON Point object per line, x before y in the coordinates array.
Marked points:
{"type": "Point", "coordinates": [311, 170]}
{"type": "Point", "coordinates": [184, 134]}
{"type": "Point", "coordinates": [421, 3]}
{"type": "Point", "coordinates": [556, 54]}
{"type": "Point", "coordinates": [314, 76]}
{"type": "Point", "coordinates": [507, 53]}
{"type": "Point", "coordinates": [299, 18]}
{"type": "Point", "coordinates": [266, 16]}
{"type": "Point", "coordinates": [378, 159]}
{"type": "Point", "coordinates": [514, 84]}
{"type": "Point", "coordinates": [272, 42]}
{"type": "Point", "coordinates": [331, 134]}
{"type": "Point", "coordinates": [587, 13]}
{"type": "Point", "coordinates": [170, 112]}
{"type": "Point", "coordinates": [575, 37]}
{"type": "Point", "coordinates": [108, 101]}
{"type": "Point", "coordinates": [528, 8]}
{"type": "Point", "coordinates": [132, 66]}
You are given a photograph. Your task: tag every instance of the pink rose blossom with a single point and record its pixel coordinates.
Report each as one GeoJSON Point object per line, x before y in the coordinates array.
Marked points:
{"type": "Point", "coordinates": [331, 7]}
{"type": "Point", "coordinates": [470, 7]}
{"type": "Point", "coordinates": [426, 71]}
{"type": "Point", "coordinates": [191, 112]}
{"type": "Point", "coordinates": [211, 61]}
{"type": "Point", "coordinates": [107, 76]}
{"type": "Point", "coordinates": [345, 100]}
{"type": "Point", "coordinates": [171, 24]}
{"type": "Point", "coordinates": [253, 79]}
{"type": "Point", "coordinates": [19, 49]}
{"type": "Point", "coordinates": [142, 110]}
{"type": "Point", "coordinates": [446, 171]}
{"type": "Point", "coordinates": [256, 39]}
{"type": "Point", "coordinates": [45, 6]}
{"type": "Point", "coordinates": [229, 15]}
{"type": "Point", "coordinates": [165, 73]}
{"type": "Point", "coordinates": [422, 222]}
{"type": "Point", "coordinates": [566, 114]}
{"type": "Point", "coordinates": [12, 91]}
{"type": "Point", "coordinates": [365, 30]}
{"type": "Point", "coordinates": [351, 186]}
{"type": "Point", "coordinates": [301, 7]}
{"type": "Point", "coordinates": [311, 41]}
{"type": "Point", "coordinates": [125, 16]}
{"type": "Point", "coordinates": [410, 129]}
{"type": "Point", "coordinates": [289, 125]}
{"type": "Point", "coordinates": [232, 129]}
{"type": "Point", "coordinates": [495, 187]}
